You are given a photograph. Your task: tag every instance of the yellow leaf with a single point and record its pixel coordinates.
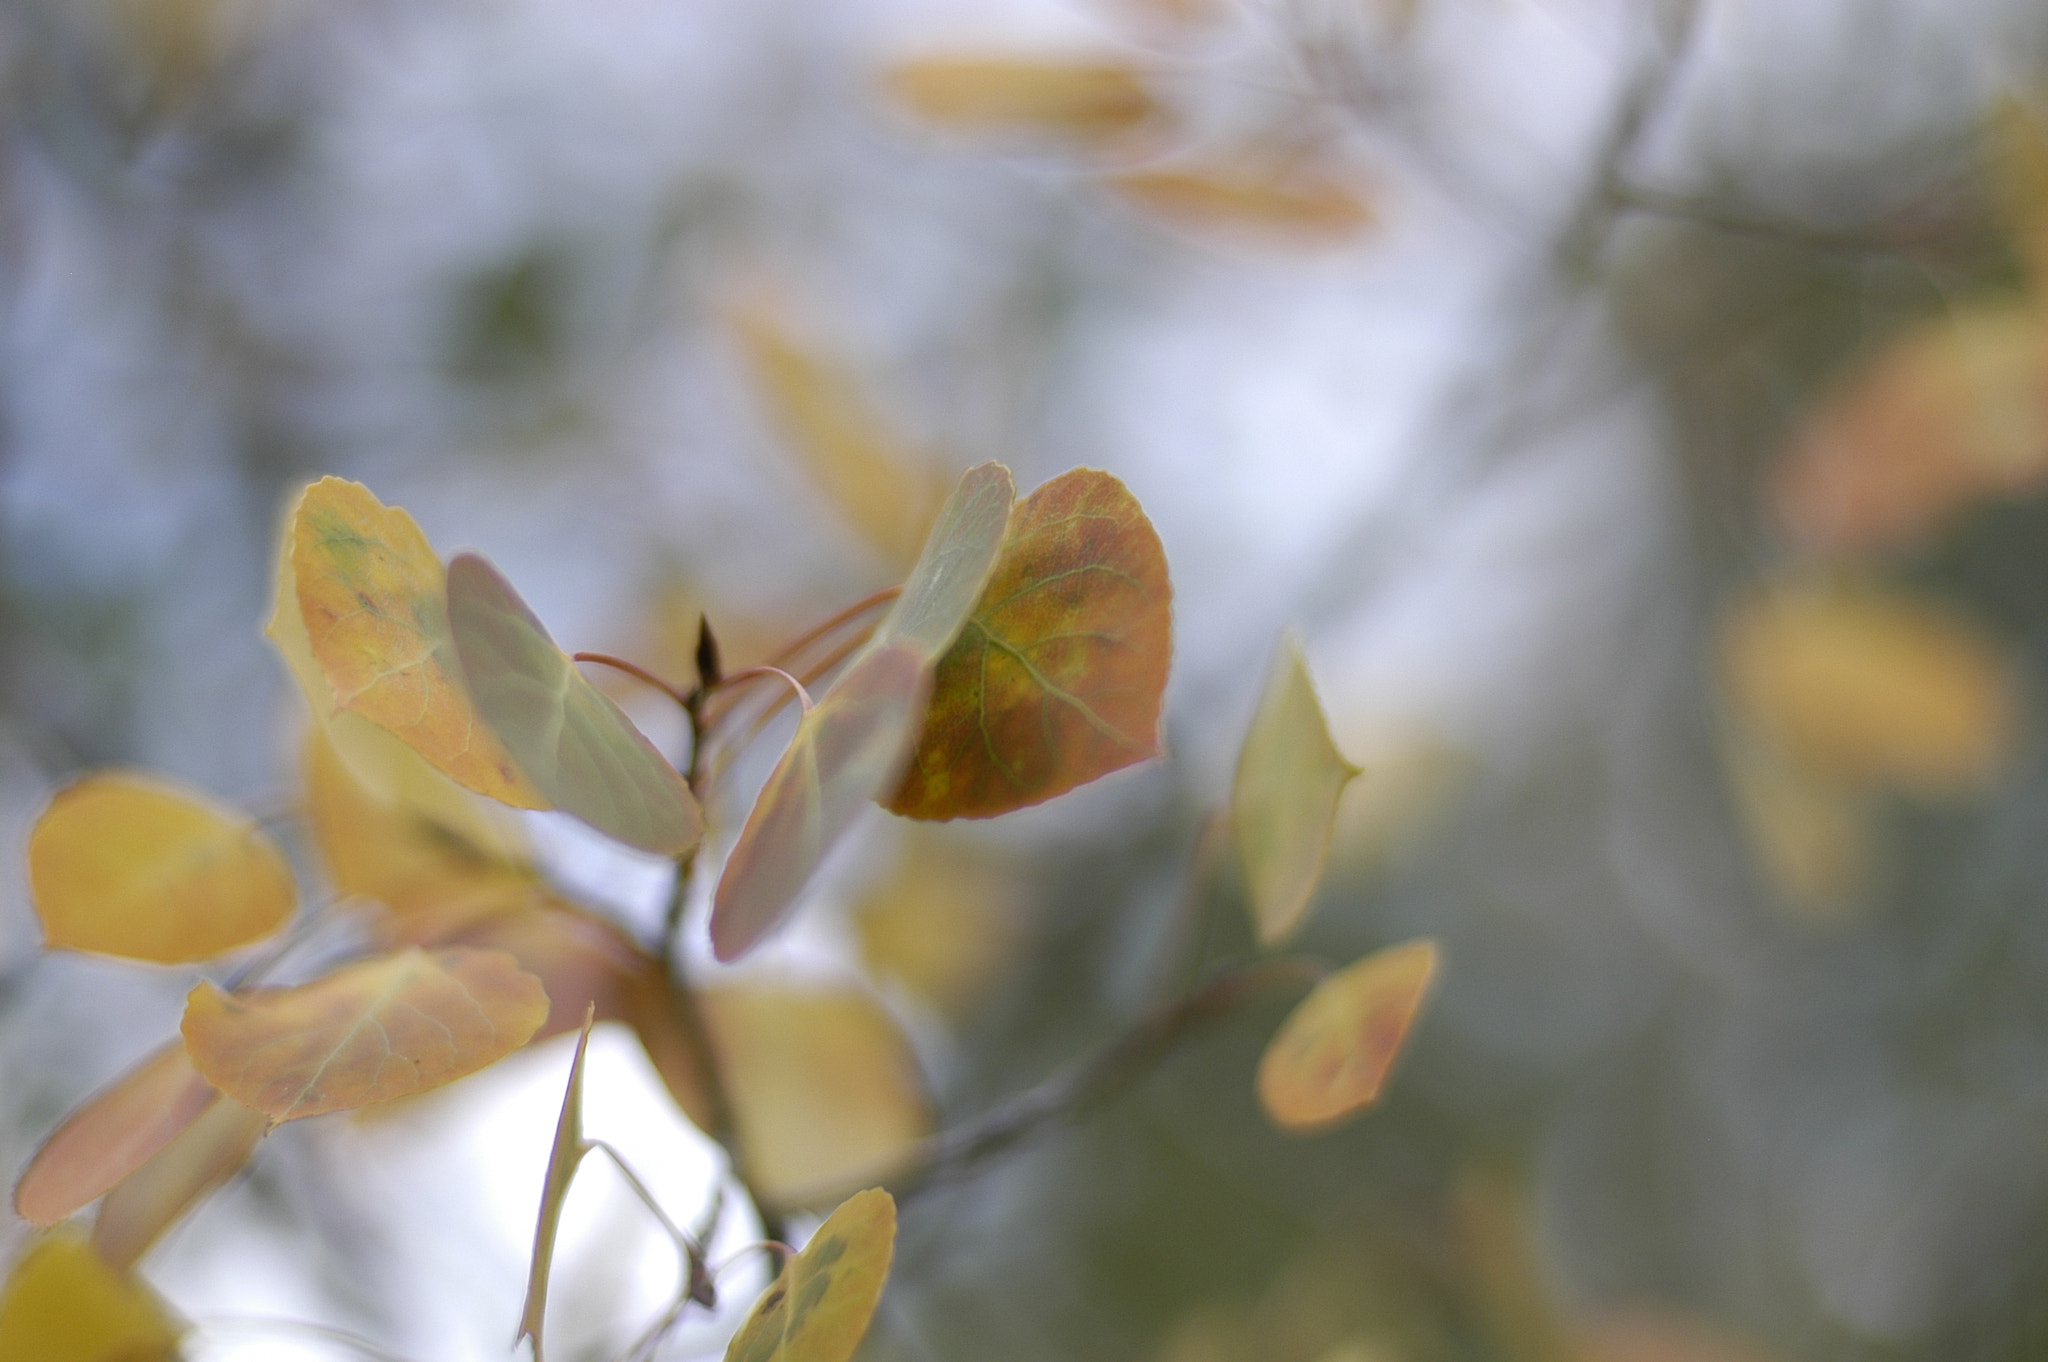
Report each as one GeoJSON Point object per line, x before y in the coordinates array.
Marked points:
{"type": "Point", "coordinates": [1076, 99]}
{"type": "Point", "coordinates": [362, 620]}
{"type": "Point", "coordinates": [125, 864]}
{"type": "Point", "coordinates": [111, 1134]}
{"type": "Point", "coordinates": [1330, 1057]}
{"type": "Point", "coordinates": [1811, 836]}
{"type": "Point", "coordinates": [1284, 800]}
{"type": "Point", "coordinates": [1248, 198]}
{"type": "Point", "coordinates": [819, 1308]}
{"type": "Point", "coordinates": [563, 1157]}
{"type": "Point", "coordinates": [943, 924]}
{"type": "Point", "coordinates": [62, 1304]}
{"type": "Point", "coordinates": [824, 1088]}
{"type": "Point", "coordinates": [578, 748]}
{"type": "Point", "coordinates": [1870, 687]}
{"type": "Point", "coordinates": [2018, 154]}
{"type": "Point", "coordinates": [378, 1030]}
{"type": "Point", "coordinates": [151, 1199]}
{"type": "Point", "coordinates": [855, 460]}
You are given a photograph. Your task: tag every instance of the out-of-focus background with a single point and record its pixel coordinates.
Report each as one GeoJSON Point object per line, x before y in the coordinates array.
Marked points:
{"type": "Point", "coordinates": [1640, 407]}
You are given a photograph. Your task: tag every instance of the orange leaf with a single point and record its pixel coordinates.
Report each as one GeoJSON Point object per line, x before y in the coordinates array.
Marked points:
{"type": "Point", "coordinates": [563, 1157]}
{"type": "Point", "coordinates": [125, 864]}
{"type": "Point", "coordinates": [1284, 799]}
{"type": "Point", "coordinates": [1058, 676]}
{"type": "Point", "coordinates": [1330, 1057]}
{"type": "Point", "coordinates": [576, 746]}
{"type": "Point", "coordinates": [1250, 199]}
{"type": "Point", "coordinates": [818, 1309]}
{"type": "Point", "coordinates": [148, 1201]}
{"type": "Point", "coordinates": [362, 619]}
{"type": "Point", "coordinates": [62, 1304]}
{"type": "Point", "coordinates": [852, 744]}
{"type": "Point", "coordinates": [1071, 98]}
{"type": "Point", "coordinates": [378, 1030]}
{"type": "Point", "coordinates": [111, 1134]}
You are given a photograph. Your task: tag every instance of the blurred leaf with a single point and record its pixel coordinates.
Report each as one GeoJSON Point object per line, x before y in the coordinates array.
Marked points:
{"type": "Point", "coordinates": [1869, 687]}
{"type": "Point", "coordinates": [824, 1087]}
{"type": "Point", "coordinates": [1415, 775]}
{"type": "Point", "coordinates": [1950, 414]}
{"type": "Point", "coordinates": [1058, 677]}
{"type": "Point", "coordinates": [125, 864]}
{"type": "Point", "coordinates": [854, 459]}
{"type": "Point", "coordinates": [1252, 199]}
{"type": "Point", "coordinates": [62, 1304]}
{"type": "Point", "coordinates": [819, 1308]}
{"type": "Point", "coordinates": [1507, 1274]}
{"type": "Point", "coordinates": [852, 744]}
{"type": "Point", "coordinates": [563, 1157]}
{"type": "Point", "coordinates": [1074, 99]}
{"type": "Point", "coordinates": [942, 924]}
{"type": "Point", "coordinates": [576, 746]}
{"type": "Point", "coordinates": [581, 960]}
{"type": "Point", "coordinates": [150, 1200]}
{"type": "Point", "coordinates": [1812, 836]}
{"type": "Point", "coordinates": [111, 1134]}
{"type": "Point", "coordinates": [1646, 1333]}
{"type": "Point", "coordinates": [1330, 1057]}
{"type": "Point", "coordinates": [1283, 802]}
{"type": "Point", "coordinates": [2019, 172]}
{"type": "Point", "coordinates": [381, 1029]}
{"type": "Point", "coordinates": [362, 620]}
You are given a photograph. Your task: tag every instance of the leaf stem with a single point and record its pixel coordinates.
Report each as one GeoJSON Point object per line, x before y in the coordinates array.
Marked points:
{"type": "Point", "coordinates": [852, 612]}
{"type": "Point", "coordinates": [751, 673]}
{"type": "Point", "coordinates": [638, 673]}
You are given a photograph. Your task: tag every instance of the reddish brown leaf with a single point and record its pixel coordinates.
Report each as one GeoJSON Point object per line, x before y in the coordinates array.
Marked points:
{"type": "Point", "coordinates": [1058, 677]}
{"type": "Point", "coordinates": [113, 1133]}
{"type": "Point", "coordinates": [152, 1198]}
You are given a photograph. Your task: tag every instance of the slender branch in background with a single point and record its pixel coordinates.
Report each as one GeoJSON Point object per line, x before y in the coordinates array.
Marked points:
{"type": "Point", "coordinates": [1704, 212]}
{"type": "Point", "coordinates": [1186, 934]}
{"type": "Point", "coordinates": [1110, 1072]}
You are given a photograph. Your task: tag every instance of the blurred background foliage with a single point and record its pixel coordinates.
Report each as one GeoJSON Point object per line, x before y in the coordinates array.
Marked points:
{"type": "Point", "coordinates": [1640, 405]}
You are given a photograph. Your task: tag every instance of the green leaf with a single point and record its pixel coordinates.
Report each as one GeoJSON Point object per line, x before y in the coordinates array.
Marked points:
{"type": "Point", "coordinates": [568, 738]}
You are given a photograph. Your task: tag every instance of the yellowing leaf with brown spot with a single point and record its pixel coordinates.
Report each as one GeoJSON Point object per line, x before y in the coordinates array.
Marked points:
{"type": "Point", "coordinates": [860, 465]}
{"type": "Point", "coordinates": [1330, 1057]}
{"type": "Point", "coordinates": [362, 620]}
{"type": "Point", "coordinates": [1949, 415]}
{"type": "Point", "coordinates": [1252, 200]}
{"type": "Point", "coordinates": [111, 1134]}
{"type": "Point", "coordinates": [1075, 99]}
{"type": "Point", "coordinates": [150, 1200]}
{"type": "Point", "coordinates": [62, 1304]}
{"type": "Point", "coordinates": [372, 1032]}
{"type": "Point", "coordinates": [1059, 674]}
{"type": "Point", "coordinates": [1869, 686]}
{"type": "Point", "coordinates": [824, 1087]}
{"type": "Point", "coordinates": [125, 864]}
{"type": "Point", "coordinates": [943, 923]}
{"type": "Point", "coordinates": [1283, 802]}
{"type": "Point", "coordinates": [818, 1309]}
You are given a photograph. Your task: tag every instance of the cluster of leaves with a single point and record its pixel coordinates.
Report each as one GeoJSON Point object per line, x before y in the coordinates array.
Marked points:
{"type": "Point", "coordinates": [1025, 653]}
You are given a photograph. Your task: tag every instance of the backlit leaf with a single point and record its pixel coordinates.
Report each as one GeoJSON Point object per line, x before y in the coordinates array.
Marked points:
{"type": "Point", "coordinates": [580, 751]}
{"type": "Point", "coordinates": [818, 1309]}
{"type": "Point", "coordinates": [855, 460]}
{"type": "Point", "coordinates": [1058, 676]}
{"type": "Point", "coordinates": [1870, 687]}
{"type": "Point", "coordinates": [1331, 1056]}
{"type": "Point", "coordinates": [850, 747]}
{"type": "Point", "coordinates": [111, 1134]}
{"type": "Point", "coordinates": [1251, 200]}
{"type": "Point", "coordinates": [62, 1304]}
{"type": "Point", "coordinates": [378, 1030]}
{"type": "Point", "coordinates": [563, 1157]}
{"type": "Point", "coordinates": [1069, 98]}
{"type": "Point", "coordinates": [151, 1199]}
{"type": "Point", "coordinates": [824, 1087]}
{"type": "Point", "coordinates": [125, 864]}
{"type": "Point", "coordinates": [362, 620]}
{"type": "Point", "coordinates": [1283, 802]}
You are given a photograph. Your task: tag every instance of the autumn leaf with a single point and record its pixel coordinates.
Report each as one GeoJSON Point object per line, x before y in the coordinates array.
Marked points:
{"type": "Point", "coordinates": [125, 864]}
{"type": "Point", "coordinates": [62, 1304]}
{"type": "Point", "coordinates": [111, 1134]}
{"type": "Point", "coordinates": [1283, 803]}
{"type": "Point", "coordinates": [1250, 199]}
{"type": "Point", "coordinates": [375, 1031]}
{"type": "Point", "coordinates": [850, 746]}
{"type": "Point", "coordinates": [1331, 1056]}
{"type": "Point", "coordinates": [824, 1086]}
{"type": "Point", "coordinates": [943, 923]}
{"type": "Point", "coordinates": [1075, 99]}
{"type": "Point", "coordinates": [2018, 155]}
{"type": "Point", "coordinates": [362, 621]}
{"type": "Point", "coordinates": [1867, 686]}
{"type": "Point", "coordinates": [150, 1200]}
{"type": "Point", "coordinates": [576, 746]}
{"type": "Point", "coordinates": [563, 1158]}
{"type": "Point", "coordinates": [1059, 674]}
{"type": "Point", "coordinates": [818, 1309]}
{"type": "Point", "coordinates": [855, 460]}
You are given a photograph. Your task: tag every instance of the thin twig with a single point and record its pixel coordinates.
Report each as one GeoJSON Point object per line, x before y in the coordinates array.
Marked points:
{"type": "Point", "coordinates": [638, 673]}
